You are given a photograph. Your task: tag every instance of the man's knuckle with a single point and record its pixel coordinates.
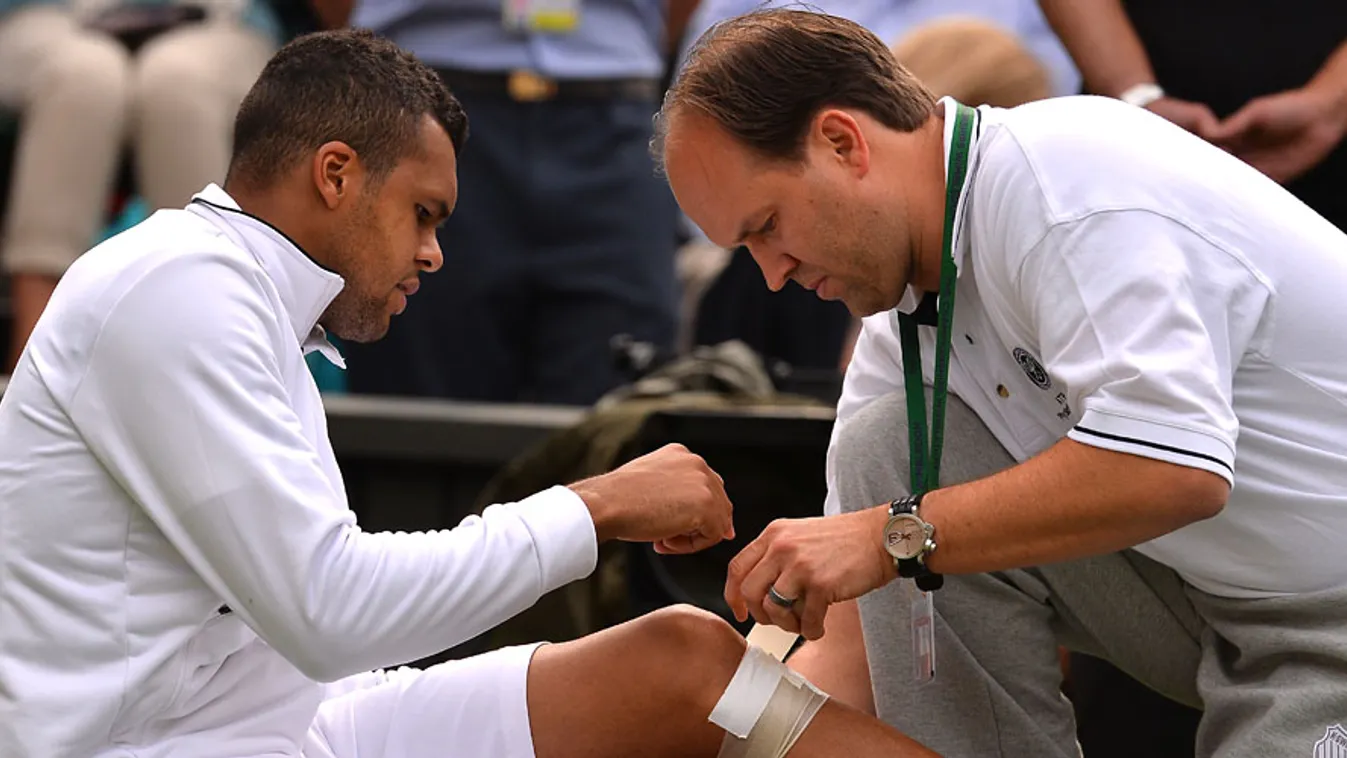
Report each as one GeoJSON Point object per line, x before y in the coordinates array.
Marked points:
{"type": "Point", "coordinates": [697, 523]}
{"type": "Point", "coordinates": [736, 565]}
{"type": "Point", "coordinates": [804, 566]}
{"type": "Point", "coordinates": [774, 550]}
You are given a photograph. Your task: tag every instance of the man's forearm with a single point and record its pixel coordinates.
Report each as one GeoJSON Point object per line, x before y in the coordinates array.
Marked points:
{"type": "Point", "coordinates": [1332, 81]}
{"type": "Point", "coordinates": [1102, 42]}
{"type": "Point", "coordinates": [332, 14]}
{"type": "Point", "coordinates": [1072, 501]}
{"type": "Point", "coordinates": [836, 663]}
{"type": "Point", "coordinates": [677, 14]}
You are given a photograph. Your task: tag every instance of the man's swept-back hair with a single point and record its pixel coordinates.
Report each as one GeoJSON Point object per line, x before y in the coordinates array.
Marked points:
{"type": "Point", "coordinates": [765, 75]}
{"type": "Point", "coordinates": [349, 86]}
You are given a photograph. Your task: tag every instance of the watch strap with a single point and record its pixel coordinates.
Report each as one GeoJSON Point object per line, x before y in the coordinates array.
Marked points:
{"type": "Point", "coordinates": [930, 581]}
{"type": "Point", "coordinates": [905, 504]}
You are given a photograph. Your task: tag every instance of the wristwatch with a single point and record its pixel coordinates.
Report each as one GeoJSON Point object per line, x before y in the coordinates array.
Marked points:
{"type": "Point", "coordinates": [910, 541]}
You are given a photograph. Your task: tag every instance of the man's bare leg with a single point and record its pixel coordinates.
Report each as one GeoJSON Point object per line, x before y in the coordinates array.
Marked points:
{"type": "Point", "coordinates": [647, 688]}
{"type": "Point", "coordinates": [29, 294]}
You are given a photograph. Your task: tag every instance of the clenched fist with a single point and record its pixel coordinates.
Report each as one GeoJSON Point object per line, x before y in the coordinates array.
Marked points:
{"type": "Point", "coordinates": [670, 497]}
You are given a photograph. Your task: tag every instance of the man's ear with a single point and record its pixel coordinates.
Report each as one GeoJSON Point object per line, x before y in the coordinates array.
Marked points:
{"type": "Point", "coordinates": [337, 173]}
{"type": "Point", "coordinates": [841, 136]}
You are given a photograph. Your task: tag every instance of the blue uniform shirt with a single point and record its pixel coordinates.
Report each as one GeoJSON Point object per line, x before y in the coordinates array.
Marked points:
{"type": "Point", "coordinates": [615, 38]}
{"type": "Point", "coordinates": [891, 19]}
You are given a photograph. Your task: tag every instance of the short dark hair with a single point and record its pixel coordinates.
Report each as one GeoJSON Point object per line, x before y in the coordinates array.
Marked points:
{"type": "Point", "coordinates": [763, 76]}
{"type": "Point", "coordinates": [345, 85]}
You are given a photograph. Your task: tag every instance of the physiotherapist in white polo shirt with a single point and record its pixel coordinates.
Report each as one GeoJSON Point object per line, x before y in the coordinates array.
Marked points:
{"type": "Point", "coordinates": [1099, 399]}
{"type": "Point", "coordinates": [180, 574]}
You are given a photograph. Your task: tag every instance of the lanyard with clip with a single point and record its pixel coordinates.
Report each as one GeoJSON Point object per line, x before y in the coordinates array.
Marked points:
{"type": "Point", "coordinates": [924, 455]}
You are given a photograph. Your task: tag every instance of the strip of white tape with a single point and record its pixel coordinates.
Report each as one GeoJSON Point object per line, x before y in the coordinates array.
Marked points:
{"type": "Point", "coordinates": [776, 641]}
{"type": "Point", "coordinates": [748, 692]}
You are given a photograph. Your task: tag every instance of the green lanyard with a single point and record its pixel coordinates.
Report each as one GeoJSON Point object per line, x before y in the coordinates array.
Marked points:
{"type": "Point", "coordinates": [925, 459]}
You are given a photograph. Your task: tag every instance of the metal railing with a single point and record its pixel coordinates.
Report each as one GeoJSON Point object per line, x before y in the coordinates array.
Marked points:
{"type": "Point", "coordinates": [434, 431]}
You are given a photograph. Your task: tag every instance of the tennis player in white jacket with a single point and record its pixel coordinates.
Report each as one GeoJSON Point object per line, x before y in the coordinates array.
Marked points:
{"type": "Point", "coordinates": [180, 574]}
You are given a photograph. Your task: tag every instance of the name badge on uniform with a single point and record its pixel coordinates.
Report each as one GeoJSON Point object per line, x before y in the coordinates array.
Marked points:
{"type": "Point", "coordinates": [552, 16]}
{"type": "Point", "coordinates": [923, 635]}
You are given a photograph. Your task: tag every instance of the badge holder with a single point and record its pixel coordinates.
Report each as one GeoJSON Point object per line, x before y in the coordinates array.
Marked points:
{"type": "Point", "coordinates": [546, 16]}
{"type": "Point", "coordinates": [923, 634]}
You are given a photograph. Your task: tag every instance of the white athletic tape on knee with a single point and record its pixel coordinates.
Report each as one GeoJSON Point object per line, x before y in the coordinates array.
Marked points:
{"type": "Point", "coordinates": [765, 708]}
{"type": "Point", "coordinates": [784, 719]}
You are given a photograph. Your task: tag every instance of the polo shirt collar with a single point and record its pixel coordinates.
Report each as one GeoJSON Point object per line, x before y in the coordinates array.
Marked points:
{"type": "Point", "coordinates": [306, 288]}
{"type": "Point", "coordinates": [912, 297]}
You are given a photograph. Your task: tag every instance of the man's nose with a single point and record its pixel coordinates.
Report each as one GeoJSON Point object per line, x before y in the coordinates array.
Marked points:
{"type": "Point", "coordinates": [776, 267]}
{"type": "Point", "coordinates": [431, 258]}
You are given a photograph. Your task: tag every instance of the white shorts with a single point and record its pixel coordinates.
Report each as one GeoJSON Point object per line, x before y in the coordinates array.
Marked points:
{"type": "Point", "coordinates": [472, 708]}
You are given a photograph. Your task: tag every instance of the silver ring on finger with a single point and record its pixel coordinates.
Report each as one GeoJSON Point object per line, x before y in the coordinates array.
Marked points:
{"type": "Point", "coordinates": [781, 600]}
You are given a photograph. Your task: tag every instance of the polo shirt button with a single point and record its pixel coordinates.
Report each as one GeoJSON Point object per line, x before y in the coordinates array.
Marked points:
{"type": "Point", "coordinates": [1002, 391]}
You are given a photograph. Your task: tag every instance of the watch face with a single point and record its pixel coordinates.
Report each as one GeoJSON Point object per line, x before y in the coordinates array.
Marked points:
{"type": "Point", "coordinates": [904, 536]}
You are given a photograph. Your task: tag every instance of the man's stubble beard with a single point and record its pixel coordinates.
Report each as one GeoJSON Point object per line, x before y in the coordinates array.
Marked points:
{"type": "Point", "coordinates": [353, 315]}
{"type": "Point", "coordinates": [863, 288]}
{"type": "Point", "coordinates": [876, 254]}
{"type": "Point", "coordinates": [355, 318]}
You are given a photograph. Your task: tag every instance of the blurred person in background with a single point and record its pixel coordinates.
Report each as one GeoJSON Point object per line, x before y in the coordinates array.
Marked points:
{"type": "Point", "coordinates": [993, 52]}
{"type": "Point", "coordinates": [567, 235]}
{"type": "Point", "coordinates": [90, 78]}
{"type": "Point", "coordinates": [1267, 84]}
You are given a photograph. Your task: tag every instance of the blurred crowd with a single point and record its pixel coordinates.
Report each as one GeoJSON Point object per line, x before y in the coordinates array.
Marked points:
{"type": "Point", "coordinates": [568, 265]}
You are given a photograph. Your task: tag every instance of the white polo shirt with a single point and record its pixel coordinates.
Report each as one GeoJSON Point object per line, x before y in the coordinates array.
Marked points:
{"type": "Point", "coordinates": [1129, 286]}
{"type": "Point", "coordinates": [178, 564]}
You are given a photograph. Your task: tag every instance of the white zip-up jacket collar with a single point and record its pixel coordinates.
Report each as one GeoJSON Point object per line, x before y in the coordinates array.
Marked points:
{"type": "Point", "coordinates": [305, 286]}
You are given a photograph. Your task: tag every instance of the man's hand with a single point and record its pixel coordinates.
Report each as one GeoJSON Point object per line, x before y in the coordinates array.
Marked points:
{"type": "Point", "coordinates": [1285, 134]}
{"type": "Point", "coordinates": [1195, 117]}
{"type": "Point", "coordinates": [817, 562]}
{"type": "Point", "coordinates": [669, 497]}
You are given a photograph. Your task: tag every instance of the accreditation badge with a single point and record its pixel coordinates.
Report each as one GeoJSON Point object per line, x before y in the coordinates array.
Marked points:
{"type": "Point", "coordinates": [549, 16]}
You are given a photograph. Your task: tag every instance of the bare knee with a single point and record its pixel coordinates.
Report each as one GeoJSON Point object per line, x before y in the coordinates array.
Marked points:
{"type": "Point", "coordinates": [697, 651]}
{"type": "Point", "coordinates": [693, 632]}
